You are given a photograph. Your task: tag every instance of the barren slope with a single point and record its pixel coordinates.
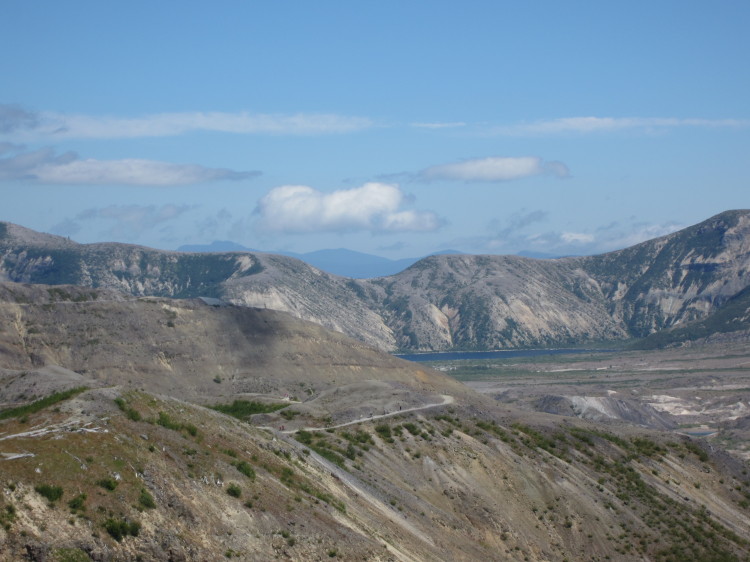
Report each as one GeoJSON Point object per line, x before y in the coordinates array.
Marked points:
{"type": "Point", "coordinates": [136, 467]}
{"type": "Point", "coordinates": [189, 349]}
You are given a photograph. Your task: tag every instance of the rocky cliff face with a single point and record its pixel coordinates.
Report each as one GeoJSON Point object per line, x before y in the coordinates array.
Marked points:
{"type": "Point", "coordinates": [441, 302]}
{"type": "Point", "coordinates": [676, 279]}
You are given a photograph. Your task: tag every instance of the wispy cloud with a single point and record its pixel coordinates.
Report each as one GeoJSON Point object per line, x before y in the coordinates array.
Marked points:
{"type": "Point", "coordinates": [374, 207]}
{"type": "Point", "coordinates": [449, 125]}
{"type": "Point", "coordinates": [25, 124]}
{"type": "Point", "coordinates": [586, 125]}
{"type": "Point", "coordinates": [522, 232]}
{"type": "Point", "coordinates": [44, 166]}
{"type": "Point", "coordinates": [122, 222]}
{"type": "Point", "coordinates": [510, 228]}
{"type": "Point", "coordinates": [616, 235]}
{"type": "Point", "coordinates": [494, 169]}
{"type": "Point", "coordinates": [576, 237]}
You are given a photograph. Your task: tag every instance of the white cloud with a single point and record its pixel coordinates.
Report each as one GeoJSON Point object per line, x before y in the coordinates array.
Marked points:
{"type": "Point", "coordinates": [584, 125]}
{"type": "Point", "coordinates": [373, 206]}
{"type": "Point", "coordinates": [494, 169]}
{"type": "Point", "coordinates": [58, 125]}
{"type": "Point", "coordinates": [43, 166]}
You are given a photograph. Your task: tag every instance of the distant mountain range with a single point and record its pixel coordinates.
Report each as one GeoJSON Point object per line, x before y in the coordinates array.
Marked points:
{"type": "Point", "coordinates": [442, 301]}
{"type": "Point", "coordinates": [342, 262]}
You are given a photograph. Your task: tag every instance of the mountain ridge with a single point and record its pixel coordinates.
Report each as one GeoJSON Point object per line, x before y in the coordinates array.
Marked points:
{"type": "Point", "coordinates": [440, 302]}
{"type": "Point", "coordinates": [339, 261]}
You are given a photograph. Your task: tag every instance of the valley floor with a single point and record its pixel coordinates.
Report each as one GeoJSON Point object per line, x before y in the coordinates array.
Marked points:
{"type": "Point", "coordinates": [700, 390]}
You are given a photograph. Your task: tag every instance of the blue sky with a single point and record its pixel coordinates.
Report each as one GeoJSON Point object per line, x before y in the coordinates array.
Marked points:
{"type": "Point", "coordinates": [394, 128]}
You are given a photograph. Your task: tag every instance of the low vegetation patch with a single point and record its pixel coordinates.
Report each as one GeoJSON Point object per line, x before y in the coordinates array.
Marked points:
{"type": "Point", "coordinates": [146, 500]}
{"type": "Point", "coordinates": [165, 420]}
{"type": "Point", "coordinates": [107, 483]}
{"type": "Point", "coordinates": [243, 409]}
{"type": "Point", "coordinates": [7, 516]}
{"type": "Point", "coordinates": [41, 404]}
{"type": "Point", "coordinates": [384, 431]}
{"type": "Point", "coordinates": [70, 555]}
{"type": "Point", "coordinates": [245, 468]}
{"type": "Point", "coordinates": [77, 503]}
{"type": "Point", "coordinates": [52, 493]}
{"type": "Point", "coordinates": [118, 529]}
{"type": "Point", "coordinates": [325, 449]}
{"type": "Point", "coordinates": [130, 412]}
{"type": "Point", "coordinates": [234, 490]}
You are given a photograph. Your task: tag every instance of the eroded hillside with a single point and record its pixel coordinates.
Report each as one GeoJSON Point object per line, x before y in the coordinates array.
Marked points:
{"type": "Point", "coordinates": [321, 448]}
{"type": "Point", "coordinates": [113, 474]}
{"type": "Point", "coordinates": [187, 348]}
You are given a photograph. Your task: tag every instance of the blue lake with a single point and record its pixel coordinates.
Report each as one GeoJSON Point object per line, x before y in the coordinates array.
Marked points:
{"type": "Point", "coordinates": [502, 354]}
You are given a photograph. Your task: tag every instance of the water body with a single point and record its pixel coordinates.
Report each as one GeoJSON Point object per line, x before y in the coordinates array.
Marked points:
{"type": "Point", "coordinates": [502, 354]}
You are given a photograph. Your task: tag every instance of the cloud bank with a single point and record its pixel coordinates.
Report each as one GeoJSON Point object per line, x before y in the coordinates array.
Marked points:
{"type": "Point", "coordinates": [16, 120]}
{"type": "Point", "coordinates": [494, 169]}
{"type": "Point", "coordinates": [375, 207]}
{"type": "Point", "coordinates": [44, 166]}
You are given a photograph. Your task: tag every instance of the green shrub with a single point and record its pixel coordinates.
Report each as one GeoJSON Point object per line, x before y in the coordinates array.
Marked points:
{"type": "Point", "coordinates": [145, 499]}
{"type": "Point", "coordinates": [411, 428]}
{"type": "Point", "coordinates": [165, 421]}
{"type": "Point", "coordinates": [77, 502]}
{"type": "Point", "coordinates": [120, 528]}
{"type": "Point", "coordinates": [243, 409]}
{"type": "Point", "coordinates": [385, 432]}
{"type": "Point", "coordinates": [52, 493]}
{"type": "Point", "coordinates": [8, 516]}
{"type": "Point", "coordinates": [107, 483]}
{"type": "Point", "coordinates": [332, 456]}
{"type": "Point", "coordinates": [234, 490]}
{"type": "Point", "coordinates": [246, 469]}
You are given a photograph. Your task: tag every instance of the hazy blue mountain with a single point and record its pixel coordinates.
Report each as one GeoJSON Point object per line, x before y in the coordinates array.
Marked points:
{"type": "Point", "coordinates": [341, 261]}
{"type": "Point", "coordinates": [215, 246]}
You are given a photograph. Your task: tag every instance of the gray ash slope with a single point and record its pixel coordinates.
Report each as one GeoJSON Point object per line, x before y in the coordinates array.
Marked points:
{"type": "Point", "coordinates": [441, 302]}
